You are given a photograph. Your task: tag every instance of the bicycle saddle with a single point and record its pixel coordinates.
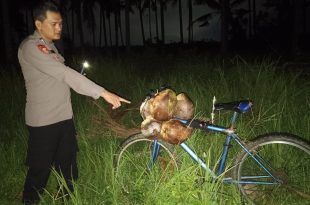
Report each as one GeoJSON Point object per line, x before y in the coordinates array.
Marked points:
{"type": "Point", "coordinates": [241, 106]}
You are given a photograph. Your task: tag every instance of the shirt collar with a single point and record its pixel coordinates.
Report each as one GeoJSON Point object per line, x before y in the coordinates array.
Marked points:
{"type": "Point", "coordinates": [38, 36]}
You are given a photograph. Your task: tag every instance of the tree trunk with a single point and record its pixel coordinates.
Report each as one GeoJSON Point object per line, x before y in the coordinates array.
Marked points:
{"type": "Point", "coordinates": [120, 27]}
{"type": "Point", "coordinates": [94, 33]}
{"type": "Point", "coordinates": [141, 24]}
{"type": "Point", "coordinates": [156, 21]}
{"type": "Point", "coordinates": [6, 26]}
{"type": "Point", "coordinates": [110, 33]}
{"type": "Point", "coordinates": [100, 26]}
{"type": "Point", "coordinates": [224, 26]}
{"type": "Point", "coordinates": [80, 27]}
{"type": "Point", "coordinates": [104, 29]}
{"type": "Point", "coordinates": [162, 21]}
{"type": "Point", "coordinates": [190, 19]}
{"type": "Point", "coordinates": [127, 24]}
{"type": "Point", "coordinates": [116, 28]}
{"type": "Point", "coordinates": [181, 21]}
{"type": "Point", "coordinates": [150, 22]}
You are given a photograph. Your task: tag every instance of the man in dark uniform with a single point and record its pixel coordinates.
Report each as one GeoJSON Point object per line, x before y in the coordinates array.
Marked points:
{"type": "Point", "coordinates": [52, 138]}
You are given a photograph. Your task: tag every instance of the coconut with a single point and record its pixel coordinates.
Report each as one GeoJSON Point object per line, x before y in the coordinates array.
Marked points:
{"type": "Point", "coordinates": [145, 108]}
{"type": "Point", "coordinates": [184, 108]}
{"type": "Point", "coordinates": [174, 132]}
{"type": "Point", "coordinates": [150, 127]}
{"type": "Point", "coordinates": [163, 105]}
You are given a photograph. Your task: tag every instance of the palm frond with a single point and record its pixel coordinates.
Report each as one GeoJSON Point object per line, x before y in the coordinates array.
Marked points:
{"type": "Point", "coordinates": [236, 3]}
{"type": "Point", "coordinates": [207, 23]}
{"type": "Point", "coordinates": [204, 19]}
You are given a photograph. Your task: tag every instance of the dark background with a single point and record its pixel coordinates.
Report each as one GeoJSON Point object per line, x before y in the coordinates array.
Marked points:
{"type": "Point", "coordinates": [279, 28]}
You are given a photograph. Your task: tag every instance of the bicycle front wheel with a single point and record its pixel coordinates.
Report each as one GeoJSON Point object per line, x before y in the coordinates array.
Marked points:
{"type": "Point", "coordinates": [287, 158]}
{"type": "Point", "coordinates": [142, 163]}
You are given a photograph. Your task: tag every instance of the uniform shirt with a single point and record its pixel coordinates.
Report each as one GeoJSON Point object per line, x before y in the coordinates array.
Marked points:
{"type": "Point", "coordinates": [48, 81]}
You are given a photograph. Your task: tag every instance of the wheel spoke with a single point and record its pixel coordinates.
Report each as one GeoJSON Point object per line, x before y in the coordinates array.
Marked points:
{"type": "Point", "coordinates": [287, 158]}
{"type": "Point", "coordinates": [133, 162]}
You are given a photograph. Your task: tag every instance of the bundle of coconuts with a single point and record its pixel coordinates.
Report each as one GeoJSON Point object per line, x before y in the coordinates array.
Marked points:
{"type": "Point", "coordinates": [160, 113]}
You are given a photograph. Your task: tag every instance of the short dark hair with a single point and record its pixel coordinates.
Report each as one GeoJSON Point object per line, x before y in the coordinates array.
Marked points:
{"type": "Point", "coordinates": [39, 11]}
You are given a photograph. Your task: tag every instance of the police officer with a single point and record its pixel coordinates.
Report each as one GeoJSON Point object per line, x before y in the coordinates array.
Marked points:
{"type": "Point", "coordinates": [52, 138]}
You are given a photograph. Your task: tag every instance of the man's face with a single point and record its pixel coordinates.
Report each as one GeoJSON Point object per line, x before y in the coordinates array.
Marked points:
{"type": "Point", "coordinates": [50, 28]}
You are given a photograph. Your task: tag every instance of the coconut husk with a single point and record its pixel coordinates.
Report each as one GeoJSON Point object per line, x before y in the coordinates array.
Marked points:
{"type": "Point", "coordinates": [113, 121]}
{"type": "Point", "coordinates": [184, 108]}
{"type": "Point", "coordinates": [150, 127]}
{"type": "Point", "coordinates": [174, 132]}
{"type": "Point", "coordinates": [145, 110]}
{"type": "Point", "coordinates": [162, 106]}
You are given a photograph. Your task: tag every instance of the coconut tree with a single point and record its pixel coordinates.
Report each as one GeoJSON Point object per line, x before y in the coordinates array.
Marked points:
{"type": "Point", "coordinates": [64, 6]}
{"type": "Point", "coordinates": [154, 7]}
{"type": "Point", "coordinates": [127, 24]}
{"type": "Point", "coordinates": [108, 8]}
{"type": "Point", "coordinates": [289, 16]}
{"type": "Point", "coordinates": [141, 5]}
{"type": "Point", "coordinates": [225, 9]}
{"type": "Point", "coordinates": [89, 17]}
{"type": "Point", "coordinates": [190, 20]}
{"type": "Point", "coordinates": [76, 7]}
{"type": "Point", "coordinates": [163, 7]}
{"type": "Point", "coordinates": [115, 9]}
{"type": "Point", "coordinates": [251, 17]}
{"type": "Point", "coordinates": [108, 16]}
{"type": "Point", "coordinates": [26, 7]}
{"type": "Point", "coordinates": [103, 5]}
{"type": "Point", "coordinates": [149, 5]}
{"type": "Point", "coordinates": [179, 2]}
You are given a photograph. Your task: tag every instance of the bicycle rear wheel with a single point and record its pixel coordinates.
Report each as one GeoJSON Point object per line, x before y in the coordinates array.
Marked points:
{"type": "Point", "coordinates": [139, 167]}
{"type": "Point", "coordinates": [287, 158]}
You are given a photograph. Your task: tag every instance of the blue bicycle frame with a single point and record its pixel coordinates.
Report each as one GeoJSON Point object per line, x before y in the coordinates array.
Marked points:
{"type": "Point", "coordinates": [230, 135]}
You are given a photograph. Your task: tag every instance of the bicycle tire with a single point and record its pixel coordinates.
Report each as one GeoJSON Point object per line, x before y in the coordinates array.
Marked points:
{"type": "Point", "coordinates": [131, 164]}
{"type": "Point", "coordinates": [293, 170]}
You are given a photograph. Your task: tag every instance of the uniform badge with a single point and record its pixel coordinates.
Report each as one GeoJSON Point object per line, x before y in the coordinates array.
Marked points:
{"type": "Point", "coordinates": [43, 49]}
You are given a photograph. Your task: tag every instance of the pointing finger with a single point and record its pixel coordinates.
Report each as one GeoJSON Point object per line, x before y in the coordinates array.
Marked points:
{"type": "Point", "coordinates": [124, 100]}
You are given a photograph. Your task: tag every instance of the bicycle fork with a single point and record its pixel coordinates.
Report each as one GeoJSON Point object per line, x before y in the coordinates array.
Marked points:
{"type": "Point", "coordinates": [154, 154]}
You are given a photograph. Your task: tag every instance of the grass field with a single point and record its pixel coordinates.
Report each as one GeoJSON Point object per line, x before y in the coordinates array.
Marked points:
{"type": "Point", "coordinates": [281, 103]}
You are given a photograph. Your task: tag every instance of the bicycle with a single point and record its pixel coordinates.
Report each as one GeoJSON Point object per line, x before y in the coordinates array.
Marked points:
{"type": "Point", "coordinates": [262, 169]}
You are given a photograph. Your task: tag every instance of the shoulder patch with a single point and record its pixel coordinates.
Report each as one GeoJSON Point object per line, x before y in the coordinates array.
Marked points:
{"type": "Point", "coordinates": [43, 49]}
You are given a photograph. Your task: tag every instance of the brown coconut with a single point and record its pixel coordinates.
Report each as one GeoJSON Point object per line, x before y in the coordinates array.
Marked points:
{"type": "Point", "coordinates": [150, 127]}
{"type": "Point", "coordinates": [174, 132]}
{"type": "Point", "coordinates": [184, 108]}
{"type": "Point", "coordinates": [163, 105]}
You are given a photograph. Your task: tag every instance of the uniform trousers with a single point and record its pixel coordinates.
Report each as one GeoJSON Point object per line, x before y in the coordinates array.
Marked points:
{"type": "Point", "coordinates": [50, 146]}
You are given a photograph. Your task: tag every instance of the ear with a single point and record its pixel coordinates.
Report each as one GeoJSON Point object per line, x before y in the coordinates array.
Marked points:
{"type": "Point", "coordinates": [38, 24]}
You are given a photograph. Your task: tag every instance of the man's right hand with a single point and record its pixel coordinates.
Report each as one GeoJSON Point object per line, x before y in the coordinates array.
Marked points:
{"type": "Point", "coordinates": [113, 99]}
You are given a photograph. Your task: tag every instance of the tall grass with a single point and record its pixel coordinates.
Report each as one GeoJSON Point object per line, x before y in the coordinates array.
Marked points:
{"type": "Point", "coordinates": [281, 103]}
